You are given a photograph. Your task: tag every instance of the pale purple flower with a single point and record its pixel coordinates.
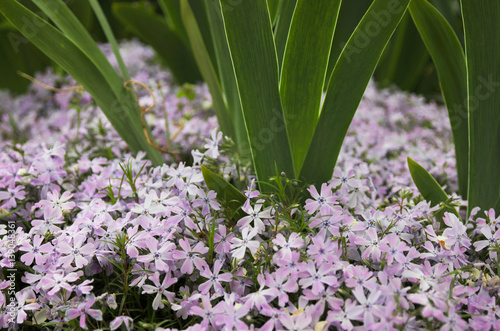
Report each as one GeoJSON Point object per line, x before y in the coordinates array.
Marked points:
{"type": "Point", "coordinates": [84, 308]}
{"type": "Point", "coordinates": [58, 281]}
{"type": "Point", "coordinates": [79, 254]}
{"type": "Point", "coordinates": [255, 216]}
{"type": "Point", "coordinates": [214, 278]}
{"type": "Point", "coordinates": [160, 289]}
{"type": "Point", "coordinates": [323, 201]}
{"type": "Point", "coordinates": [318, 277]}
{"type": "Point", "coordinates": [35, 251]}
{"type": "Point", "coordinates": [239, 246]}
{"type": "Point", "coordinates": [209, 313]}
{"type": "Point", "coordinates": [207, 201]}
{"type": "Point", "coordinates": [191, 256]}
{"type": "Point", "coordinates": [25, 300]}
{"type": "Point", "coordinates": [294, 241]}
{"type": "Point", "coordinates": [279, 284]}
{"type": "Point", "coordinates": [128, 323]}
{"type": "Point", "coordinates": [344, 317]}
{"type": "Point", "coordinates": [368, 304]}
{"type": "Point", "coordinates": [159, 253]}
{"type": "Point", "coordinates": [12, 194]}
{"type": "Point", "coordinates": [51, 217]}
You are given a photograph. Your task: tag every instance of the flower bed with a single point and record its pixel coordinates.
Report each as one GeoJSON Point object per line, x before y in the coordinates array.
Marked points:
{"type": "Point", "coordinates": [94, 237]}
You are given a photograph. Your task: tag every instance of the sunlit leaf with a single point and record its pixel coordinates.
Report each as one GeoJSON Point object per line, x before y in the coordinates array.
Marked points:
{"type": "Point", "coordinates": [449, 60]}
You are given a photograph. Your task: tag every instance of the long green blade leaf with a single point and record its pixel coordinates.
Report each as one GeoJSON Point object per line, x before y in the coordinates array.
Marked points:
{"type": "Point", "coordinates": [166, 43]}
{"type": "Point", "coordinates": [283, 21]}
{"type": "Point", "coordinates": [172, 11]}
{"type": "Point", "coordinates": [227, 194]}
{"type": "Point", "coordinates": [103, 21]}
{"type": "Point", "coordinates": [253, 53]}
{"type": "Point", "coordinates": [64, 52]}
{"type": "Point", "coordinates": [349, 79]}
{"type": "Point", "coordinates": [311, 29]}
{"type": "Point", "coordinates": [67, 22]}
{"type": "Point", "coordinates": [227, 77]}
{"type": "Point", "coordinates": [207, 69]}
{"type": "Point", "coordinates": [482, 48]}
{"type": "Point", "coordinates": [428, 186]}
{"type": "Point", "coordinates": [449, 59]}
{"type": "Point", "coordinates": [351, 12]}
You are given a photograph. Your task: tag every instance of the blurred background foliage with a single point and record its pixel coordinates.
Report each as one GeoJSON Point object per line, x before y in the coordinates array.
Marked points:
{"type": "Point", "coordinates": [406, 62]}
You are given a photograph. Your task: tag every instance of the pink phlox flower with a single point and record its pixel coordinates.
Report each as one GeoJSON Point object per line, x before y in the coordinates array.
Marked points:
{"type": "Point", "coordinates": [184, 304]}
{"type": "Point", "coordinates": [191, 256]}
{"type": "Point", "coordinates": [222, 240]}
{"type": "Point", "coordinates": [25, 300]}
{"type": "Point", "coordinates": [51, 217]}
{"type": "Point", "coordinates": [250, 193]}
{"type": "Point", "coordinates": [208, 312]}
{"type": "Point", "coordinates": [184, 213]}
{"type": "Point", "coordinates": [84, 164]}
{"type": "Point", "coordinates": [291, 267]}
{"type": "Point", "coordinates": [239, 246]}
{"type": "Point", "coordinates": [84, 308]}
{"type": "Point", "coordinates": [258, 299]}
{"type": "Point", "coordinates": [344, 317]}
{"type": "Point", "coordinates": [465, 296]}
{"type": "Point", "coordinates": [240, 283]}
{"type": "Point", "coordinates": [214, 278]}
{"type": "Point", "coordinates": [457, 231]}
{"type": "Point", "coordinates": [279, 284]}
{"type": "Point", "coordinates": [372, 243]}
{"type": "Point", "coordinates": [55, 200]}
{"type": "Point", "coordinates": [329, 223]}
{"type": "Point", "coordinates": [368, 304]}
{"type": "Point", "coordinates": [453, 321]}
{"type": "Point", "coordinates": [296, 322]}
{"type": "Point", "coordinates": [405, 261]}
{"type": "Point", "coordinates": [275, 315]}
{"type": "Point", "coordinates": [392, 246]}
{"type": "Point", "coordinates": [134, 241]}
{"type": "Point", "coordinates": [324, 297]}
{"type": "Point", "coordinates": [160, 289]}
{"type": "Point", "coordinates": [392, 288]}
{"type": "Point", "coordinates": [323, 202]}
{"type": "Point", "coordinates": [81, 255]}
{"type": "Point", "coordinates": [177, 175]}
{"type": "Point", "coordinates": [142, 274]}
{"type": "Point", "coordinates": [357, 197]}
{"type": "Point", "coordinates": [350, 226]}
{"type": "Point", "coordinates": [58, 281]}
{"type": "Point", "coordinates": [346, 180]}
{"type": "Point", "coordinates": [84, 287]}
{"type": "Point", "coordinates": [212, 144]}
{"type": "Point", "coordinates": [294, 241]}
{"type": "Point", "coordinates": [318, 278]}
{"type": "Point", "coordinates": [147, 210]}
{"type": "Point", "coordinates": [126, 321]}
{"type": "Point", "coordinates": [35, 251]}
{"type": "Point", "coordinates": [360, 276]}
{"type": "Point", "coordinates": [322, 248]}
{"type": "Point", "coordinates": [433, 307]}
{"type": "Point", "coordinates": [151, 227]}
{"type": "Point", "coordinates": [491, 241]}
{"type": "Point", "coordinates": [165, 202]}
{"type": "Point", "coordinates": [233, 313]}
{"type": "Point", "coordinates": [159, 253]}
{"type": "Point", "coordinates": [207, 201]}
{"type": "Point", "coordinates": [255, 215]}
{"type": "Point", "coordinates": [12, 194]}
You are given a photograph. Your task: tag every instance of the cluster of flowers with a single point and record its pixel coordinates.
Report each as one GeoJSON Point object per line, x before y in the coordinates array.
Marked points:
{"type": "Point", "coordinates": [95, 237]}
